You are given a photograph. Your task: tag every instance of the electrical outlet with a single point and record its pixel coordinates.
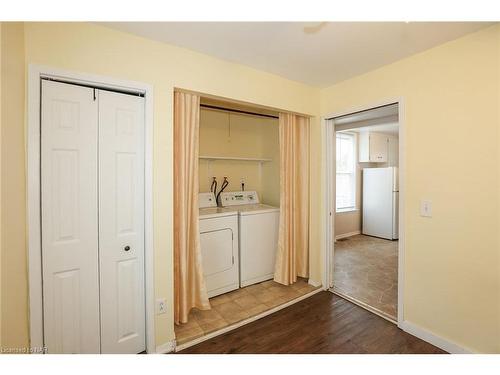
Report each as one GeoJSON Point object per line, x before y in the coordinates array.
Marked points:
{"type": "Point", "coordinates": [161, 306]}
{"type": "Point", "coordinates": [425, 208]}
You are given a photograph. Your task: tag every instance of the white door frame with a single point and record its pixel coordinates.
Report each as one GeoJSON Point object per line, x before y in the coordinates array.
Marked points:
{"type": "Point", "coordinates": [35, 73]}
{"type": "Point", "coordinates": [329, 189]}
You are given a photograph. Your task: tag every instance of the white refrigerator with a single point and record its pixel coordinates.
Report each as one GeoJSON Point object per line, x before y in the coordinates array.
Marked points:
{"type": "Point", "coordinates": [381, 202]}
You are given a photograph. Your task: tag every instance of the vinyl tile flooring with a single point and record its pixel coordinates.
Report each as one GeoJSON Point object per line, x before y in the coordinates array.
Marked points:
{"type": "Point", "coordinates": [239, 305]}
{"type": "Point", "coordinates": [323, 323]}
{"type": "Point", "coordinates": [366, 269]}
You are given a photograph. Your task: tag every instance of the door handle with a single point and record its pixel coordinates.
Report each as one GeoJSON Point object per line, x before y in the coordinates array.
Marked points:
{"type": "Point", "coordinates": [126, 248]}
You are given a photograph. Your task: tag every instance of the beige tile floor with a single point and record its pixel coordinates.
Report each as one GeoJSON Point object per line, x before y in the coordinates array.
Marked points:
{"type": "Point", "coordinates": [238, 305]}
{"type": "Point", "coordinates": [366, 269]}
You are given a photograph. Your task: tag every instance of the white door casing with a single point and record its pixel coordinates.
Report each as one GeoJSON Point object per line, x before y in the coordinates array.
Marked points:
{"type": "Point", "coordinates": [121, 222]}
{"type": "Point", "coordinates": [69, 218]}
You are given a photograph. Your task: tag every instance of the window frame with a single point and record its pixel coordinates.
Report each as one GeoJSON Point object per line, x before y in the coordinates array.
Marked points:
{"type": "Point", "coordinates": [354, 171]}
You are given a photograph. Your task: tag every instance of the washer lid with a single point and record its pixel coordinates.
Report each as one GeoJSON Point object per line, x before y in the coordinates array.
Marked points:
{"type": "Point", "coordinates": [212, 212]}
{"type": "Point", "coordinates": [253, 209]}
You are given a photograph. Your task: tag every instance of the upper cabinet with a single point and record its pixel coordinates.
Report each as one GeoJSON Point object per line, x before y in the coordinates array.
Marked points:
{"type": "Point", "coordinates": [378, 148]}
{"type": "Point", "coordinates": [373, 147]}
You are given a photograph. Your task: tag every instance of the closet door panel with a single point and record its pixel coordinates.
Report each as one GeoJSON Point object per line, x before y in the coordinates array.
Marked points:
{"type": "Point", "coordinates": [69, 218]}
{"type": "Point", "coordinates": [121, 222]}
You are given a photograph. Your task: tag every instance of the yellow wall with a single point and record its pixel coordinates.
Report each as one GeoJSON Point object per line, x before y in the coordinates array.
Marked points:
{"type": "Point", "coordinates": [451, 118]}
{"type": "Point", "coordinates": [14, 290]}
{"type": "Point", "coordinates": [237, 135]}
{"type": "Point", "coordinates": [90, 48]}
{"type": "Point", "coordinates": [347, 222]}
{"type": "Point", "coordinates": [451, 121]}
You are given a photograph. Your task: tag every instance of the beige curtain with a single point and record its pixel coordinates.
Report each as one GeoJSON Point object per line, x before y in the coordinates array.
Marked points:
{"type": "Point", "coordinates": [189, 285]}
{"type": "Point", "coordinates": [292, 258]}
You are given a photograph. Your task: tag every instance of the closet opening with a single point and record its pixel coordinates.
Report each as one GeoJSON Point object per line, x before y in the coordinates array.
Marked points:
{"type": "Point", "coordinates": [237, 180]}
{"type": "Point", "coordinates": [364, 228]}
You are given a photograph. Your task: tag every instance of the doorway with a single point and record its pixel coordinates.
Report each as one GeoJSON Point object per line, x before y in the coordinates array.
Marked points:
{"type": "Point", "coordinates": [89, 212]}
{"type": "Point", "coordinates": [364, 160]}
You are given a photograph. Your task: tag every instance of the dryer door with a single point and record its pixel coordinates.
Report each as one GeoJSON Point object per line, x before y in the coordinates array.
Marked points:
{"type": "Point", "coordinates": [219, 252]}
{"type": "Point", "coordinates": [216, 251]}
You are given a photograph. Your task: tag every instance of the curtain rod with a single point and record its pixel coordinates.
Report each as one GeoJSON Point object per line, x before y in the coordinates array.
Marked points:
{"type": "Point", "coordinates": [237, 111]}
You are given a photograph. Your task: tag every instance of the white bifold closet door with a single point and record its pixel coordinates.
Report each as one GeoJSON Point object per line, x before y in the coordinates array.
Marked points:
{"type": "Point", "coordinates": [69, 219]}
{"type": "Point", "coordinates": [92, 202]}
{"type": "Point", "coordinates": [121, 222]}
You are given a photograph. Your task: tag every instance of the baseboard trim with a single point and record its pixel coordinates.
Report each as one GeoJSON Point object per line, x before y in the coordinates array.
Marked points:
{"type": "Point", "coordinates": [433, 339]}
{"type": "Point", "coordinates": [345, 235]}
{"type": "Point", "coordinates": [314, 283]}
{"type": "Point", "coordinates": [168, 347]}
{"type": "Point", "coordinates": [413, 329]}
{"type": "Point", "coordinates": [198, 340]}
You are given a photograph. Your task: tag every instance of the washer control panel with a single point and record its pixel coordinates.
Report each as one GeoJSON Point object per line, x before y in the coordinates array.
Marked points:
{"type": "Point", "coordinates": [206, 200]}
{"type": "Point", "coordinates": [236, 198]}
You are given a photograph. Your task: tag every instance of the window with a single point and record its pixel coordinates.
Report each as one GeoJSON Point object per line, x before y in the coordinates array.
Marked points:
{"type": "Point", "coordinates": [346, 172]}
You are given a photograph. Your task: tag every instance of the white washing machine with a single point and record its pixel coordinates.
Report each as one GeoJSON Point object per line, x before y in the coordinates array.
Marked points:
{"type": "Point", "coordinates": [219, 246]}
{"type": "Point", "coordinates": [258, 230]}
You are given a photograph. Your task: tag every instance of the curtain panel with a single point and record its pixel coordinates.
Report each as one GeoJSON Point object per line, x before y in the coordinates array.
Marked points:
{"type": "Point", "coordinates": [292, 258]}
{"type": "Point", "coordinates": [189, 284]}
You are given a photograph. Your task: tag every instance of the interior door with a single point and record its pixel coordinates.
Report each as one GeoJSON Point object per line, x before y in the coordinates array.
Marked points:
{"type": "Point", "coordinates": [69, 218]}
{"type": "Point", "coordinates": [121, 222]}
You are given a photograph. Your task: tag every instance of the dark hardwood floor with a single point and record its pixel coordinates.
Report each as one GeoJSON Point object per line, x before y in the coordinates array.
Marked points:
{"type": "Point", "coordinates": [323, 323]}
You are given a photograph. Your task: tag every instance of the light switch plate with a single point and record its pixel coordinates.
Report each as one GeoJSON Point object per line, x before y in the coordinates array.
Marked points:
{"type": "Point", "coordinates": [161, 306]}
{"type": "Point", "coordinates": [425, 208]}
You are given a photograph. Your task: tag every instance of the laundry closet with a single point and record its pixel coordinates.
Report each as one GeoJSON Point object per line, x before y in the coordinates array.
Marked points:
{"type": "Point", "coordinates": [241, 245]}
{"type": "Point", "coordinates": [239, 196]}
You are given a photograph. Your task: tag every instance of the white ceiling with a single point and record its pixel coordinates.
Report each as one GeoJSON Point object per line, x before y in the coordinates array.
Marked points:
{"type": "Point", "coordinates": [315, 53]}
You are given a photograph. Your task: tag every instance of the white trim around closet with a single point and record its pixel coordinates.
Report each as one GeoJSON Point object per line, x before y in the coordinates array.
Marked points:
{"type": "Point", "coordinates": [35, 73]}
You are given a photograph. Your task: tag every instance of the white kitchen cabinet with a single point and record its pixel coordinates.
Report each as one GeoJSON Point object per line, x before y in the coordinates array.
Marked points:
{"type": "Point", "coordinates": [373, 147]}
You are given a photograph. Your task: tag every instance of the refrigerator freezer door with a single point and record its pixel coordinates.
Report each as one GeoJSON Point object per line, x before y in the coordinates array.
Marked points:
{"type": "Point", "coordinates": [378, 202]}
